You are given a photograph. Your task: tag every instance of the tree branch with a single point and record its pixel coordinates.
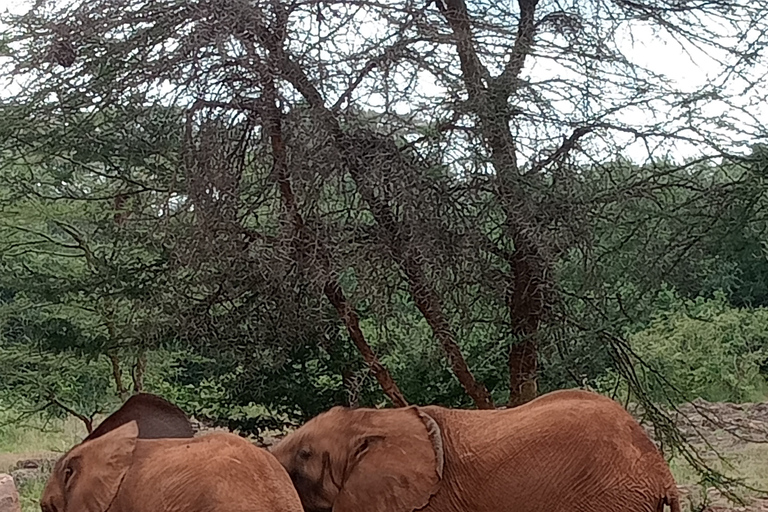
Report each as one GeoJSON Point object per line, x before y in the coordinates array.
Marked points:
{"type": "Point", "coordinates": [82, 244]}
{"type": "Point", "coordinates": [565, 148]}
{"type": "Point", "coordinates": [387, 55]}
{"type": "Point", "coordinates": [526, 29]}
{"type": "Point", "coordinates": [302, 239]}
{"type": "Point", "coordinates": [85, 419]}
{"type": "Point", "coordinates": [138, 370]}
{"type": "Point", "coordinates": [426, 299]}
{"type": "Point", "coordinates": [473, 71]}
{"type": "Point", "coordinates": [117, 373]}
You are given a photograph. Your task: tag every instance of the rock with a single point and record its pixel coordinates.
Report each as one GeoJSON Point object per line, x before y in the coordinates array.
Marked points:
{"type": "Point", "coordinates": [42, 465]}
{"type": "Point", "coordinates": [32, 469]}
{"type": "Point", "coordinates": [22, 476]}
{"type": "Point", "coordinates": [9, 497]}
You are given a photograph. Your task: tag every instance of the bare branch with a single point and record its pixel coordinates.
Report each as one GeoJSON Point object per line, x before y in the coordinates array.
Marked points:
{"type": "Point", "coordinates": [504, 84]}
{"type": "Point", "coordinates": [87, 421]}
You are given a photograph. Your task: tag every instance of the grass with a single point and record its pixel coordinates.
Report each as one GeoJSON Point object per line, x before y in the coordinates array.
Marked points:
{"type": "Point", "coordinates": [35, 437]}
{"type": "Point", "coordinates": [29, 495]}
{"type": "Point", "coordinates": [748, 462]}
{"type": "Point", "coordinates": [31, 439]}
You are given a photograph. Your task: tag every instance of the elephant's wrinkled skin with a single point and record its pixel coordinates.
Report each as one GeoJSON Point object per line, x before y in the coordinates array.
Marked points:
{"type": "Point", "coordinates": [567, 451]}
{"type": "Point", "coordinates": [122, 471]}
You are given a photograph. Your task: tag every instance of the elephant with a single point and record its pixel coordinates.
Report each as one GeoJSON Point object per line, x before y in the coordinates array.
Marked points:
{"type": "Point", "coordinates": [566, 451]}
{"type": "Point", "coordinates": [146, 460]}
{"type": "Point", "coordinates": [156, 418]}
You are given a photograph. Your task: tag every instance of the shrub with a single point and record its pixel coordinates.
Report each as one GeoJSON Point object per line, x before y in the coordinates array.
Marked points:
{"type": "Point", "coordinates": [706, 348]}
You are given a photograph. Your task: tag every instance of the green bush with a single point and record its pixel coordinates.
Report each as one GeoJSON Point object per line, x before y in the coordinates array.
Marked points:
{"type": "Point", "coordinates": [705, 348]}
{"type": "Point", "coordinates": [29, 494]}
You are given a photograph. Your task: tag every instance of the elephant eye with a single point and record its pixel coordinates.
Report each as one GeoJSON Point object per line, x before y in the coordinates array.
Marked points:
{"type": "Point", "coordinates": [68, 472]}
{"type": "Point", "coordinates": [304, 454]}
{"type": "Point", "coordinates": [73, 465]}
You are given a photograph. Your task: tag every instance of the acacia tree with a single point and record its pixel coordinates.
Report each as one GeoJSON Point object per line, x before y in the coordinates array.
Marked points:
{"type": "Point", "coordinates": [215, 166]}
{"type": "Point", "coordinates": [451, 135]}
{"type": "Point", "coordinates": [70, 317]}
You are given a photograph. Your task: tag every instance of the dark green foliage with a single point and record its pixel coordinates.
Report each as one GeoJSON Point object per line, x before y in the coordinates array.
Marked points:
{"type": "Point", "coordinates": [276, 353]}
{"type": "Point", "coordinates": [706, 348]}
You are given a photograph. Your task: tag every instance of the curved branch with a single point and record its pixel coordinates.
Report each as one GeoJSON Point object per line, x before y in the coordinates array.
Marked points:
{"type": "Point", "coordinates": [52, 400]}
{"type": "Point", "coordinates": [303, 238]}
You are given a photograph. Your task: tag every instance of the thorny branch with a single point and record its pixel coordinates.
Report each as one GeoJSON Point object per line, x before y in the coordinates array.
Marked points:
{"type": "Point", "coordinates": [303, 239]}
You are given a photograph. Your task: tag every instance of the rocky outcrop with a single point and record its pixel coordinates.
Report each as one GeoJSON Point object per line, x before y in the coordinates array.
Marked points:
{"type": "Point", "coordinates": [32, 469]}
{"type": "Point", "coordinates": [714, 429]}
{"type": "Point", "coordinates": [9, 496]}
{"type": "Point", "coordinates": [725, 423]}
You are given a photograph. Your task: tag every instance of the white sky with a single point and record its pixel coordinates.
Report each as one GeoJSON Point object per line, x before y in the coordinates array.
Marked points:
{"type": "Point", "coordinates": [687, 68]}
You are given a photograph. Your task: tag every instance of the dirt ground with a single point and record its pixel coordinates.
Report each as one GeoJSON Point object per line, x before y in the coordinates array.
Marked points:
{"type": "Point", "coordinates": [734, 439]}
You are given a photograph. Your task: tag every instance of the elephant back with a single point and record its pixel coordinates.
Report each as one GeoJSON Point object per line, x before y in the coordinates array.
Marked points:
{"type": "Point", "coordinates": [156, 418]}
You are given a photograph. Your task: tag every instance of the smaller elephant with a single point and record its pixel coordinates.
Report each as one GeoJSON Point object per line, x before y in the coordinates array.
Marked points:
{"type": "Point", "coordinates": [156, 418]}
{"type": "Point", "coordinates": [567, 451]}
{"type": "Point", "coordinates": [146, 460]}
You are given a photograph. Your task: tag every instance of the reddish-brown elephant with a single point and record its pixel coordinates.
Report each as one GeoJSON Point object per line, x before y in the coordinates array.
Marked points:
{"type": "Point", "coordinates": [145, 460]}
{"type": "Point", "coordinates": [567, 451]}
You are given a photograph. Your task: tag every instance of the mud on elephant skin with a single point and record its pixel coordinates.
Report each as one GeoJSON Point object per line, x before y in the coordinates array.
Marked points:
{"type": "Point", "coordinates": [146, 460]}
{"type": "Point", "coordinates": [567, 451]}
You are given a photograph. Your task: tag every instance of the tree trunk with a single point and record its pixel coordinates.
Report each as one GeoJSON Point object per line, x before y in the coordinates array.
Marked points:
{"type": "Point", "coordinates": [430, 306]}
{"type": "Point", "coordinates": [426, 299]}
{"type": "Point", "coordinates": [348, 315]}
{"type": "Point", "coordinates": [117, 376]}
{"type": "Point", "coordinates": [138, 371]}
{"type": "Point", "coordinates": [526, 307]}
{"type": "Point", "coordinates": [353, 389]}
{"type": "Point", "coordinates": [409, 259]}
{"type": "Point", "coordinates": [522, 373]}
{"type": "Point", "coordinates": [489, 98]}
{"type": "Point", "coordinates": [302, 239]}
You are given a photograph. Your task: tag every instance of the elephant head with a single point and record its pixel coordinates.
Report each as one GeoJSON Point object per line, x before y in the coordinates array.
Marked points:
{"type": "Point", "coordinates": [346, 460]}
{"type": "Point", "coordinates": [88, 477]}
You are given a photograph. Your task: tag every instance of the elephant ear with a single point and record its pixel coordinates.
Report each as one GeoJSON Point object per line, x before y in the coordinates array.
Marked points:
{"type": "Point", "coordinates": [94, 472]}
{"type": "Point", "coordinates": [154, 416]}
{"type": "Point", "coordinates": [396, 467]}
